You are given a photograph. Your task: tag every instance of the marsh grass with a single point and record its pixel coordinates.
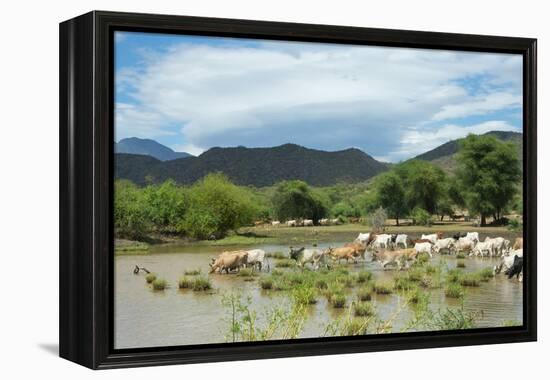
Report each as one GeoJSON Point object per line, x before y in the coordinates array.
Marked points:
{"type": "Point", "coordinates": [304, 295]}
{"type": "Point", "coordinates": [321, 284]}
{"type": "Point", "coordinates": [277, 255]}
{"type": "Point", "coordinates": [460, 264]}
{"type": "Point", "coordinates": [418, 297]}
{"type": "Point", "coordinates": [201, 284]}
{"type": "Point", "coordinates": [192, 272]}
{"type": "Point", "coordinates": [486, 274]}
{"type": "Point", "coordinates": [247, 272]}
{"type": "Point", "coordinates": [383, 288]}
{"type": "Point", "coordinates": [150, 277]}
{"type": "Point", "coordinates": [470, 279]}
{"type": "Point", "coordinates": [338, 300]}
{"type": "Point", "coordinates": [460, 256]}
{"type": "Point", "coordinates": [363, 276]}
{"type": "Point", "coordinates": [403, 282]}
{"type": "Point", "coordinates": [159, 284]}
{"type": "Point", "coordinates": [285, 263]}
{"type": "Point", "coordinates": [185, 282]}
{"type": "Point", "coordinates": [267, 282]}
{"type": "Point", "coordinates": [364, 293]}
{"type": "Point", "coordinates": [454, 290]}
{"type": "Point", "coordinates": [363, 309]}
{"type": "Point", "coordinates": [454, 275]}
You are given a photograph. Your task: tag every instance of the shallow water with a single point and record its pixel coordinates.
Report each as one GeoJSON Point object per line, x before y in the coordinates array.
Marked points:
{"type": "Point", "coordinates": [145, 318]}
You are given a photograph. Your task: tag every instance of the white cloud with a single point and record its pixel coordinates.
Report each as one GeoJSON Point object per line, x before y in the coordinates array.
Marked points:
{"type": "Point", "coordinates": [415, 142]}
{"type": "Point", "coordinates": [318, 95]}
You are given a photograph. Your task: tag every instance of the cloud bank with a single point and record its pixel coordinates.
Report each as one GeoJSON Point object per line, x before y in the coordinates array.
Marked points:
{"type": "Point", "coordinates": [393, 103]}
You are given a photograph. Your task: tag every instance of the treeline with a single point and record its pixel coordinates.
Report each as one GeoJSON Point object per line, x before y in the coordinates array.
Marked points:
{"type": "Point", "coordinates": [487, 183]}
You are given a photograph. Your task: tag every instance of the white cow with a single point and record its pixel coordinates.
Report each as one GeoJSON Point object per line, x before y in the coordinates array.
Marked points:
{"type": "Point", "coordinates": [323, 222]}
{"type": "Point", "coordinates": [255, 258]}
{"type": "Point", "coordinates": [464, 244]}
{"type": "Point", "coordinates": [382, 241]}
{"type": "Point", "coordinates": [474, 236]}
{"type": "Point", "coordinates": [401, 239]}
{"type": "Point", "coordinates": [507, 261]}
{"type": "Point", "coordinates": [497, 245]}
{"type": "Point", "coordinates": [308, 222]}
{"type": "Point", "coordinates": [445, 244]}
{"type": "Point", "coordinates": [303, 256]}
{"type": "Point", "coordinates": [423, 248]}
{"type": "Point", "coordinates": [362, 238]}
{"type": "Point", "coordinates": [275, 223]}
{"type": "Point", "coordinates": [431, 237]}
{"type": "Point", "coordinates": [482, 247]}
{"type": "Point", "coordinates": [291, 223]}
{"type": "Point", "coordinates": [335, 221]}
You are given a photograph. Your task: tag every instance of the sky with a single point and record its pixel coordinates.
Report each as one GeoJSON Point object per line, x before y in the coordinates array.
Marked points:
{"type": "Point", "coordinates": [192, 93]}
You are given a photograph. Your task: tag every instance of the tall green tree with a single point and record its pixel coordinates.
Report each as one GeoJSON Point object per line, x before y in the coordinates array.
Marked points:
{"type": "Point", "coordinates": [295, 199]}
{"type": "Point", "coordinates": [391, 195]}
{"type": "Point", "coordinates": [489, 171]}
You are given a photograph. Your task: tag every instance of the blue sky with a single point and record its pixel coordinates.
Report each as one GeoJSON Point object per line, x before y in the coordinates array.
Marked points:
{"type": "Point", "coordinates": [192, 93]}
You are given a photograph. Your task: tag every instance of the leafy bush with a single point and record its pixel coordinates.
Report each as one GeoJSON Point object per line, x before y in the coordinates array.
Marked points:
{"type": "Point", "coordinates": [266, 283]}
{"type": "Point", "coordinates": [421, 217]}
{"type": "Point", "coordinates": [150, 277]}
{"type": "Point", "coordinates": [295, 199]}
{"type": "Point", "coordinates": [130, 211]}
{"type": "Point", "coordinates": [201, 283]}
{"type": "Point", "coordinates": [159, 284]}
{"type": "Point", "coordinates": [378, 219]}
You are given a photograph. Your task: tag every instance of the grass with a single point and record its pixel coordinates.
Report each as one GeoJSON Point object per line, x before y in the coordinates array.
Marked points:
{"type": "Point", "coordinates": [454, 290]}
{"type": "Point", "coordinates": [201, 284]}
{"type": "Point", "coordinates": [363, 309]}
{"type": "Point", "coordinates": [418, 297]}
{"type": "Point", "coordinates": [338, 300]}
{"type": "Point", "coordinates": [403, 282]}
{"type": "Point", "coordinates": [364, 276]}
{"type": "Point", "coordinates": [266, 283]}
{"type": "Point", "coordinates": [321, 284]}
{"type": "Point", "coordinates": [277, 272]}
{"type": "Point", "coordinates": [159, 284]}
{"type": "Point", "coordinates": [277, 255]}
{"type": "Point", "coordinates": [383, 288]}
{"type": "Point", "coordinates": [460, 256]}
{"type": "Point", "coordinates": [150, 277]}
{"type": "Point", "coordinates": [470, 279]}
{"type": "Point", "coordinates": [285, 263]}
{"type": "Point", "coordinates": [246, 272]}
{"type": "Point", "coordinates": [454, 275]}
{"type": "Point", "coordinates": [486, 274]}
{"type": "Point", "coordinates": [304, 295]}
{"type": "Point", "coordinates": [365, 293]}
{"type": "Point", "coordinates": [460, 264]}
{"type": "Point", "coordinates": [192, 272]}
{"type": "Point", "coordinates": [185, 282]}
{"type": "Point", "coordinates": [416, 273]}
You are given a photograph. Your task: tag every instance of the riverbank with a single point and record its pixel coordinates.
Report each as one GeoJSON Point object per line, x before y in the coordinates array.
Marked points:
{"type": "Point", "coordinates": [267, 234]}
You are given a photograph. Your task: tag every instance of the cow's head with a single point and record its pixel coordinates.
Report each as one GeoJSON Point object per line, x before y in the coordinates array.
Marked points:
{"type": "Point", "coordinates": [295, 252]}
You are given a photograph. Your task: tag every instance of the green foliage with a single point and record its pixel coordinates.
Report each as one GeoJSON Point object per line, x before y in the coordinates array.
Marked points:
{"type": "Point", "coordinates": [217, 206]}
{"type": "Point", "coordinates": [365, 293]}
{"type": "Point", "coordinates": [383, 288]}
{"type": "Point", "coordinates": [391, 194]}
{"type": "Point", "coordinates": [130, 211]}
{"type": "Point", "coordinates": [192, 272]}
{"type": "Point", "coordinates": [266, 283]}
{"type": "Point", "coordinates": [201, 283]}
{"type": "Point", "coordinates": [488, 173]}
{"type": "Point", "coordinates": [421, 217]}
{"type": "Point", "coordinates": [338, 300]}
{"type": "Point", "coordinates": [150, 277]}
{"type": "Point", "coordinates": [166, 205]}
{"type": "Point", "coordinates": [344, 209]}
{"type": "Point", "coordinates": [454, 290]}
{"type": "Point", "coordinates": [185, 282]}
{"type": "Point", "coordinates": [515, 225]}
{"type": "Point", "coordinates": [295, 199]}
{"type": "Point", "coordinates": [460, 264]}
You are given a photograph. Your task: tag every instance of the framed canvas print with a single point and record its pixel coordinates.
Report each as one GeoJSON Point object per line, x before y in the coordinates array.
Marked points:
{"type": "Point", "coordinates": [237, 189]}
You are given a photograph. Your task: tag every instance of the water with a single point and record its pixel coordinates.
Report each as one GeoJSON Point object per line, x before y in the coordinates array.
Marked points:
{"type": "Point", "coordinates": [145, 318]}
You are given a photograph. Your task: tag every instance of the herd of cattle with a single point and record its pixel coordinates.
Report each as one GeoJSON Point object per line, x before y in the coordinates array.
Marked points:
{"type": "Point", "coordinates": [387, 249]}
{"type": "Point", "coordinates": [306, 222]}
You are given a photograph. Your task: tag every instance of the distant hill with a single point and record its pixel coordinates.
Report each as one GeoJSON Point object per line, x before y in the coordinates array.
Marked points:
{"type": "Point", "coordinates": [134, 145]}
{"type": "Point", "coordinates": [256, 166]}
{"type": "Point", "coordinates": [444, 155]}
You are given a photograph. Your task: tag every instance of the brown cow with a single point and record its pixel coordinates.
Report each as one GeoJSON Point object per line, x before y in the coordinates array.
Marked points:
{"type": "Point", "coordinates": [421, 241]}
{"type": "Point", "coordinates": [397, 256]}
{"type": "Point", "coordinates": [341, 253]}
{"type": "Point", "coordinates": [359, 249]}
{"type": "Point", "coordinates": [518, 244]}
{"type": "Point", "coordinates": [228, 261]}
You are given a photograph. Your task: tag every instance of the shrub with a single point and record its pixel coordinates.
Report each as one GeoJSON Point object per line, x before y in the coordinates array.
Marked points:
{"type": "Point", "coordinates": [266, 283]}
{"type": "Point", "coordinates": [150, 277]}
{"type": "Point", "coordinates": [382, 288]}
{"type": "Point", "coordinates": [363, 309]}
{"type": "Point", "coordinates": [185, 282]}
{"type": "Point", "coordinates": [421, 217]}
{"type": "Point", "coordinates": [378, 219]}
{"type": "Point", "coordinates": [159, 284]}
{"type": "Point", "coordinates": [454, 290]}
{"type": "Point", "coordinates": [338, 300]}
{"type": "Point", "coordinates": [201, 283]}
{"type": "Point", "coordinates": [515, 225]}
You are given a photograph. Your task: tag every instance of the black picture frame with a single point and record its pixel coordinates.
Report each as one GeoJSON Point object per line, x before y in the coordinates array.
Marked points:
{"type": "Point", "coordinates": [86, 188]}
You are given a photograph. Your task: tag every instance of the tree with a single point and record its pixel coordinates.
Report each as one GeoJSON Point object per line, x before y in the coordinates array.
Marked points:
{"type": "Point", "coordinates": [130, 211]}
{"type": "Point", "coordinates": [391, 195]}
{"type": "Point", "coordinates": [217, 206]}
{"type": "Point", "coordinates": [294, 199]}
{"type": "Point", "coordinates": [489, 172]}
{"type": "Point", "coordinates": [166, 205]}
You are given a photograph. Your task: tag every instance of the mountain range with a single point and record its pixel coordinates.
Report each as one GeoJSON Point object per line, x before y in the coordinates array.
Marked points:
{"type": "Point", "coordinates": [134, 145]}
{"type": "Point", "coordinates": [266, 166]}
